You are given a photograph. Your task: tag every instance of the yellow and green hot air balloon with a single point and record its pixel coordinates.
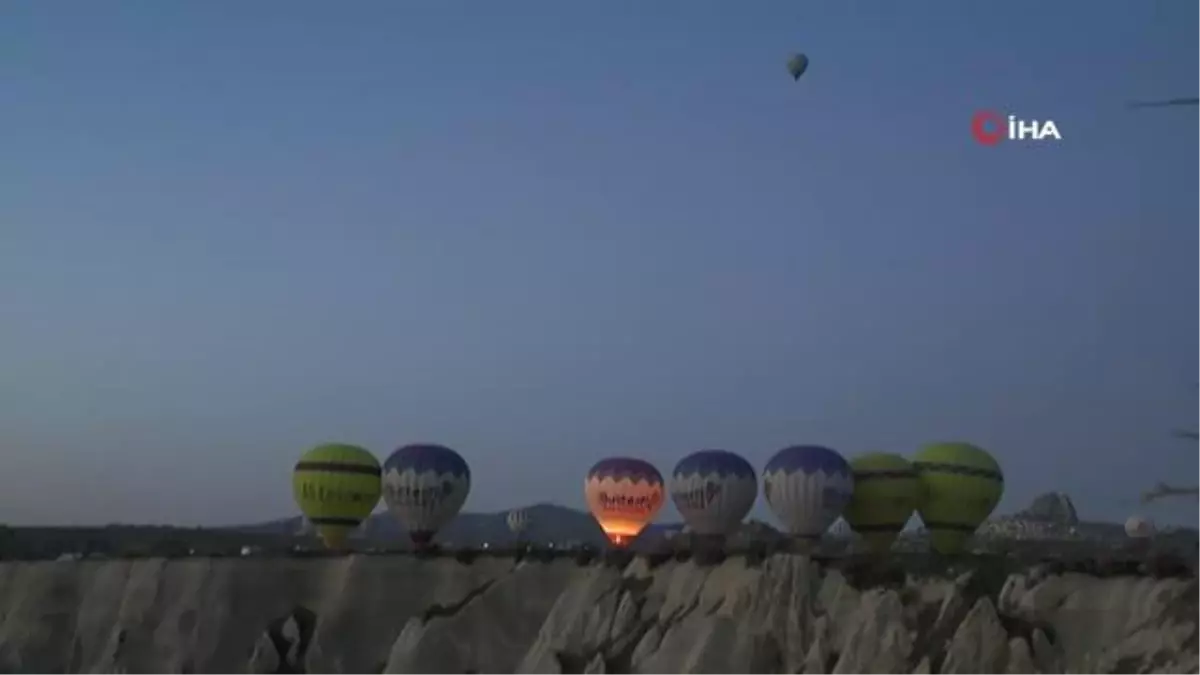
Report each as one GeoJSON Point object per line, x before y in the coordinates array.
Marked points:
{"type": "Point", "coordinates": [886, 492]}
{"type": "Point", "coordinates": [337, 486]}
{"type": "Point", "coordinates": [963, 484]}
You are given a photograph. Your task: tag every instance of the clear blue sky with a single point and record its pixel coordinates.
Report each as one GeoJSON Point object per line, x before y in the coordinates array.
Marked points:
{"type": "Point", "coordinates": [546, 232]}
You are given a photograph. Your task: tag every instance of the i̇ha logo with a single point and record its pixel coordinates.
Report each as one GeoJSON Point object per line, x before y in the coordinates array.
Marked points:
{"type": "Point", "coordinates": [989, 128]}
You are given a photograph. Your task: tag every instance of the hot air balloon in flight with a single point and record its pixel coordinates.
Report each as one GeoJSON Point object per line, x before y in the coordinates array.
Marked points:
{"type": "Point", "coordinates": [425, 486]}
{"type": "Point", "coordinates": [623, 495]}
{"type": "Point", "coordinates": [962, 484]}
{"type": "Point", "coordinates": [1139, 528]}
{"type": "Point", "coordinates": [713, 490]}
{"type": "Point", "coordinates": [796, 65]}
{"type": "Point", "coordinates": [807, 487]}
{"type": "Point", "coordinates": [336, 487]}
{"type": "Point", "coordinates": [886, 493]}
{"type": "Point", "coordinates": [517, 521]}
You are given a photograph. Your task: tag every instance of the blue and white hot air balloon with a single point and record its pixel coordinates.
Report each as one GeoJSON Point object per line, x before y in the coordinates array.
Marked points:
{"type": "Point", "coordinates": [807, 487]}
{"type": "Point", "coordinates": [713, 490]}
{"type": "Point", "coordinates": [425, 486]}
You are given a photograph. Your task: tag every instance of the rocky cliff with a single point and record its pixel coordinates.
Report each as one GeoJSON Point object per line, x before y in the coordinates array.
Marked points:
{"type": "Point", "coordinates": [781, 614]}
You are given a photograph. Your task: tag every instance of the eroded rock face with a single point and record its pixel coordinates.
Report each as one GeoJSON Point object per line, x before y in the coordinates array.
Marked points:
{"type": "Point", "coordinates": [1052, 507]}
{"type": "Point", "coordinates": [778, 614]}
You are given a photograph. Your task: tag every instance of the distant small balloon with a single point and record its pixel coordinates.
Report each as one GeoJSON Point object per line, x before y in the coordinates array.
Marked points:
{"type": "Point", "coordinates": [1138, 527]}
{"type": "Point", "coordinates": [797, 65]}
{"type": "Point", "coordinates": [517, 521]}
{"type": "Point", "coordinates": [623, 494]}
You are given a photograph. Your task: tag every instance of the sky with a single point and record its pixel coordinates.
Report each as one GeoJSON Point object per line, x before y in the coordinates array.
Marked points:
{"type": "Point", "coordinates": [544, 233]}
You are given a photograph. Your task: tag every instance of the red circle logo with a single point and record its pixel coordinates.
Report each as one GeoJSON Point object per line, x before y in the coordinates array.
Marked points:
{"type": "Point", "coordinates": [987, 127]}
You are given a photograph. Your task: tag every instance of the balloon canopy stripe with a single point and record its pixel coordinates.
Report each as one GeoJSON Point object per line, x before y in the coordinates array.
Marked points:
{"type": "Point", "coordinates": [339, 467]}
{"type": "Point", "coordinates": [959, 470]}
{"type": "Point", "coordinates": [625, 479]}
{"type": "Point", "coordinates": [807, 459]}
{"type": "Point", "coordinates": [713, 463]}
{"type": "Point", "coordinates": [618, 469]}
{"type": "Point", "coordinates": [422, 458]}
{"type": "Point", "coordinates": [865, 475]}
{"type": "Point", "coordinates": [335, 522]}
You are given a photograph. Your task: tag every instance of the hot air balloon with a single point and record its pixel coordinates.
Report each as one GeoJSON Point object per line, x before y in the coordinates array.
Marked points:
{"type": "Point", "coordinates": [517, 521]}
{"type": "Point", "coordinates": [623, 495]}
{"type": "Point", "coordinates": [796, 65]}
{"type": "Point", "coordinates": [886, 492]}
{"type": "Point", "coordinates": [336, 487]}
{"type": "Point", "coordinates": [713, 490]}
{"type": "Point", "coordinates": [962, 484]}
{"type": "Point", "coordinates": [807, 487]}
{"type": "Point", "coordinates": [1139, 528]}
{"type": "Point", "coordinates": [425, 486]}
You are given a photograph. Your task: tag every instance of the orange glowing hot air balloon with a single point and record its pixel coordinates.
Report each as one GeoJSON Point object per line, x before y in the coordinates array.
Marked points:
{"type": "Point", "coordinates": [623, 495]}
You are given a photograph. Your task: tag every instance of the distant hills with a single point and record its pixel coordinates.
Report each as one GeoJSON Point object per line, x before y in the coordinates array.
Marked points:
{"type": "Point", "coordinates": [548, 523]}
{"type": "Point", "coordinates": [560, 525]}
{"type": "Point", "coordinates": [1051, 515]}
{"type": "Point", "coordinates": [1051, 519]}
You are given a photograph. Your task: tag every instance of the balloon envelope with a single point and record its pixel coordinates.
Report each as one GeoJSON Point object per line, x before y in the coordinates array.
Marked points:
{"type": "Point", "coordinates": [425, 486]}
{"type": "Point", "coordinates": [1139, 528]}
{"type": "Point", "coordinates": [713, 490]}
{"type": "Point", "coordinates": [796, 65]}
{"type": "Point", "coordinates": [886, 493]}
{"type": "Point", "coordinates": [336, 487]}
{"type": "Point", "coordinates": [963, 484]}
{"type": "Point", "coordinates": [807, 487]}
{"type": "Point", "coordinates": [517, 521]}
{"type": "Point", "coordinates": [623, 494]}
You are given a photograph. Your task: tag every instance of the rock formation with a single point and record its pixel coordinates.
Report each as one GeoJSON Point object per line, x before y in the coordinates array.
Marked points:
{"type": "Point", "coordinates": [1052, 507]}
{"type": "Point", "coordinates": [779, 614]}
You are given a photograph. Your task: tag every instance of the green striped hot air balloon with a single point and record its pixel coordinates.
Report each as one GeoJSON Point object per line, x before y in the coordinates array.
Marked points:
{"type": "Point", "coordinates": [886, 492]}
{"type": "Point", "coordinates": [963, 484]}
{"type": "Point", "coordinates": [336, 486]}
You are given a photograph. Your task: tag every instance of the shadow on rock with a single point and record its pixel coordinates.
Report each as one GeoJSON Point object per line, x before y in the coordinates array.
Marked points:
{"type": "Point", "coordinates": [284, 645]}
